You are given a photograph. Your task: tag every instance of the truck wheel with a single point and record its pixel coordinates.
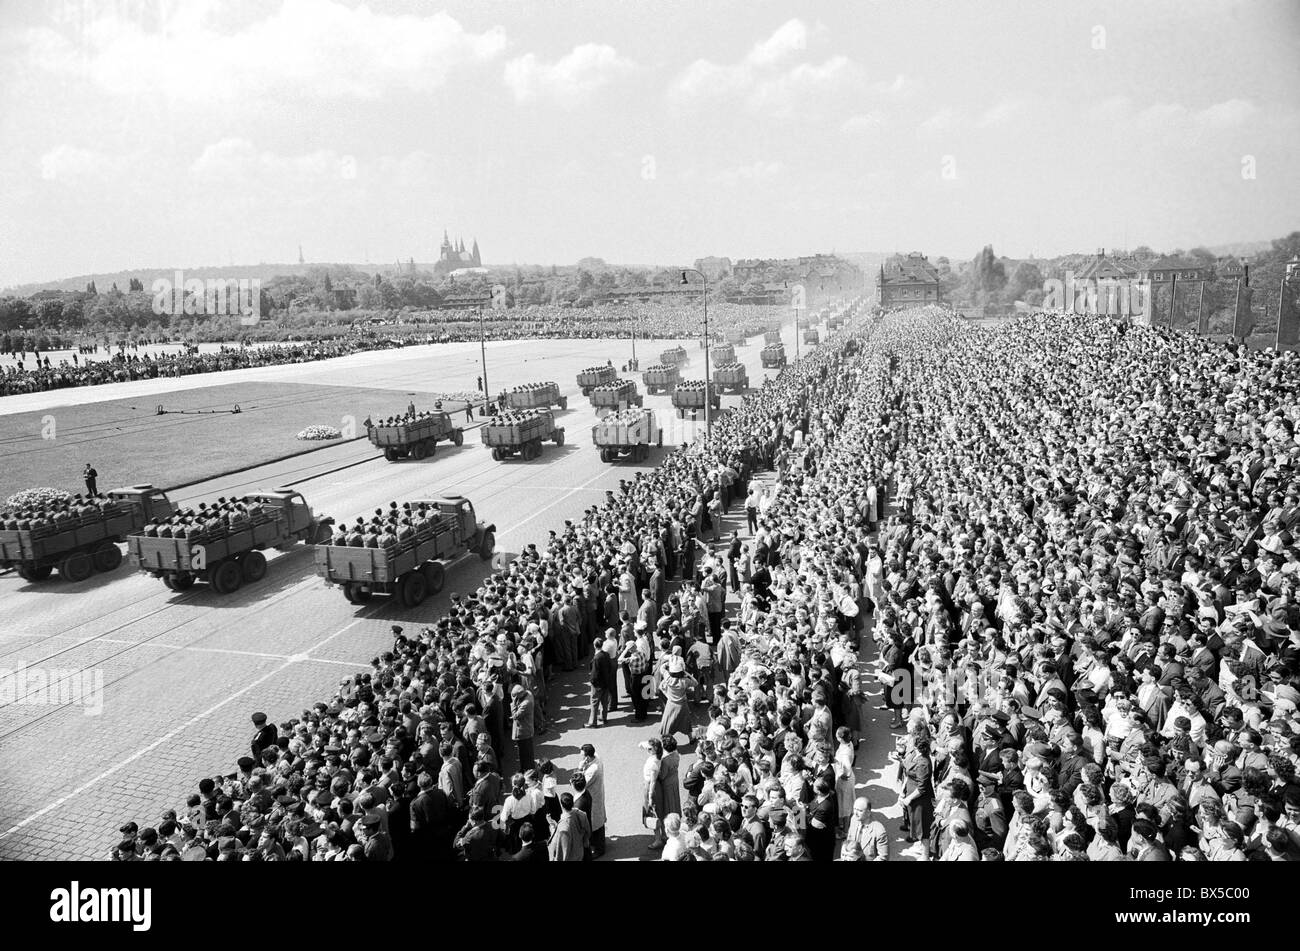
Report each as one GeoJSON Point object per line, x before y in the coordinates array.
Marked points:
{"type": "Point", "coordinates": [167, 582]}
{"type": "Point", "coordinates": [604, 455]}
{"type": "Point", "coordinates": [559, 437]}
{"type": "Point", "coordinates": [181, 581]}
{"type": "Point", "coordinates": [586, 391]}
{"type": "Point", "coordinates": [496, 455]}
{"type": "Point", "coordinates": [487, 545]}
{"type": "Point", "coordinates": [226, 576]}
{"type": "Point", "coordinates": [414, 589]}
{"type": "Point", "coordinates": [458, 437]}
{"type": "Point", "coordinates": [348, 593]}
{"type": "Point", "coordinates": [435, 576]}
{"type": "Point", "coordinates": [390, 454]}
{"type": "Point", "coordinates": [107, 557]}
{"type": "Point", "coordinates": [419, 451]}
{"type": "Point", "coordinates": [253, 567]}
{"type": "Point", "coordinates": [39, 573]}
{"type": "Point", "coordinates": [564, 402]}
{"type": "Point", "coordinates": [76, 567]}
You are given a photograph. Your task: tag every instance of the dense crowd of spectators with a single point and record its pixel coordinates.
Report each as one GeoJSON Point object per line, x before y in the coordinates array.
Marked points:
{"type": "Point", "coordinates": [1078, 607]}
{"type": "Point", "coordinates": [34, 373]}
{"type": "Point", "coordinates": [1082, 608]}
{"type": "Point", "coordinates": [660, 320]}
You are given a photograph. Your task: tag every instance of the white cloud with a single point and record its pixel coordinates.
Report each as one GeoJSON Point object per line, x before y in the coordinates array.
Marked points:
{"type": "Point", "coordinates": [864, 122]}
{"type": "Point", "coordinates": [1160, 113]}
{"type": "Point", "coordinates": [317, 48]}
{"type": "Point", "coordinates": [1113, 109]}
{"type": "Point", "coordinates": [569, 80]}
{"type": "Point", "coordinates": [763, 76]}
{"type": "Point", "coordinates": [900, 87]}
{"type": "Point", "coordinates": [1221, 115]}
{"type": "Point", "coordinates": [70, 164]}
{"type": "Point", "coordinates": [706, 78]}
{"type": "Point", "coordinates": [782, 94]}
{"type": "Point", "coordinates": [755, 173]}
{"type": "Point", "coordinates": [941, 122]}
{"type": "Point", "coordinates": [237, 161]}
{"type": "Point", "coordinates": [1001, 114]}
{"type": "Point", "coordinates": [1229, 113]}
{"type": "Point", "coordinates": [790, 37]}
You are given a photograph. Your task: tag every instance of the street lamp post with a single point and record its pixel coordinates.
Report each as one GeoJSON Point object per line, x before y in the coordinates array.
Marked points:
{"type": "Point", "coordinates": [708, 382]}
{"type": "Point", "coordinates": [482, 344]}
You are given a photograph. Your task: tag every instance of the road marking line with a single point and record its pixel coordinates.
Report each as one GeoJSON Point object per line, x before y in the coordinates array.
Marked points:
{"type": "Point", "coordinates": [223, 650]}
{"type": "Point", "coordinates": [95, 781]}
{"type": "Point", "coordinates": [519, 525]}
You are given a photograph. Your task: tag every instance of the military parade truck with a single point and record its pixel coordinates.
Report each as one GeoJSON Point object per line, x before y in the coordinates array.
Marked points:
{"type": "Point", "coordinates": [521, 433]}
{"type": "Point", "coordinates": [689, 397]}
{"type": "Point", "coordinates": [722, 353]}
{"type": "Point", "coordinates": [661, 378]}
{"type": "Point", "coordinates": [811, 337]}
{"type": "Point", "coordinates": [536, 396]}
{"type": "Point", "coordinates": [772, 337]}
{"type": "Point", "coordinates": [677, 356]}
{"type": "Point", "coordinates": [416, 437]}
{"type": "Point", "coordinates": [731, 378]}
{"type": "Point", "coordinates": [627, 435]}
{"type": "Point", "coordinates": [835, 322]}
{"type": "Point", "coordinates": [593, 377]}
{"type": "Point", "coordinates": [413, 568]}
{"type": "Point", "coordinates": [611, 397]}
{"type": "Point", "coordinates": [736, 337]}
{"type": "Point", "coordinates": [79, 545]}
{"type": "Point", "coordinates": [230, 555]}
{"type": "Point", "coordinates": [773, 355]}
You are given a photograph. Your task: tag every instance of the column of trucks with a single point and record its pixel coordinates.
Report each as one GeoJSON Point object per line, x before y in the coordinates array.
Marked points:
{"type": "Point", "coordinates": [229, 557]}
{"type": "Point", "coordinates": [80, 545]}
{"type": "Point", "coordinates": [226, 553]}
{"type": "Point", "coordinates": [414, 568]}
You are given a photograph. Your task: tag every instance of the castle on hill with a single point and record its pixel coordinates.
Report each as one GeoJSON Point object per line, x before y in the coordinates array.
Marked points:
{"type": "Point", "coordinates": [452, 257]}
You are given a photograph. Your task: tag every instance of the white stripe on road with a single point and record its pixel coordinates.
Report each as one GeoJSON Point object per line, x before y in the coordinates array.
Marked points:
{"type": "Point", "coordinates": [95, 781]}
{"type": "Point", "coordinates": [519, 525]}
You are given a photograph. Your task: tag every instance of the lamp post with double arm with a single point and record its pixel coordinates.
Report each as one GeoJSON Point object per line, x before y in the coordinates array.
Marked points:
{"type": "Point", "coordinates": [708, 383]}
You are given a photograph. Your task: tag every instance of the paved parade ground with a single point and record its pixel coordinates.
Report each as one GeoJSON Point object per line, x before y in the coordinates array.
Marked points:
{"type": "Point", "coordinates": [182, 672]}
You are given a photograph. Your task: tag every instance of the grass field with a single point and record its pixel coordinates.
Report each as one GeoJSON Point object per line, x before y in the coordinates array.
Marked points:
{"type": "Point", "coordinates": [126, 441]}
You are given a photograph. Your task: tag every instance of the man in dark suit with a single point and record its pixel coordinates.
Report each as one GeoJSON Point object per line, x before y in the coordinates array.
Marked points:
{"type": "Point", "coordinates": [1072, 764]}
{"type": "Point", "coordinates": [265, 736]}
{"type": "Point", "coordinates": [602, 685]}
{"type": "Point", "coordinates": [1143, 846]}
{"type": "Point", "coordinates": [431, 822]}
{"type": "Point", "coordinates": [529, 850]}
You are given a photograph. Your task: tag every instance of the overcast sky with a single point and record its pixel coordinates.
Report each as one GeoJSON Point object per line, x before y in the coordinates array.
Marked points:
{"type": "Point", "coordinates": [187, 133]}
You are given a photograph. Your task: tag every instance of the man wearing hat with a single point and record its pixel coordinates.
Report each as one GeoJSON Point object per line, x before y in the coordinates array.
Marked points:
{"type": "Point", "coordinates": [376, 842]}
{"type": "Point", "coordinates": [265, 736]}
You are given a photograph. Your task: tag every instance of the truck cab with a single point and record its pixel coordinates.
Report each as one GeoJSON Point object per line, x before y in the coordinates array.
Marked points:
{"type": "Point", "coordinates": [463, 510]}
{"type": "Point", "coordinates": [154, 502]}
{"type": "Point", "coordinates": [297, 512]}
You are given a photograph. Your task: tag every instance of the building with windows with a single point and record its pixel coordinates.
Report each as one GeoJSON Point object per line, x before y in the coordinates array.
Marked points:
{"type": "Point", "coordinates": [907, 281]}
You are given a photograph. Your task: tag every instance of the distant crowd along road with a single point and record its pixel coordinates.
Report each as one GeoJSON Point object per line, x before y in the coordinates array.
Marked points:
{"type": "Point", "coordinates": [34, 371]}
